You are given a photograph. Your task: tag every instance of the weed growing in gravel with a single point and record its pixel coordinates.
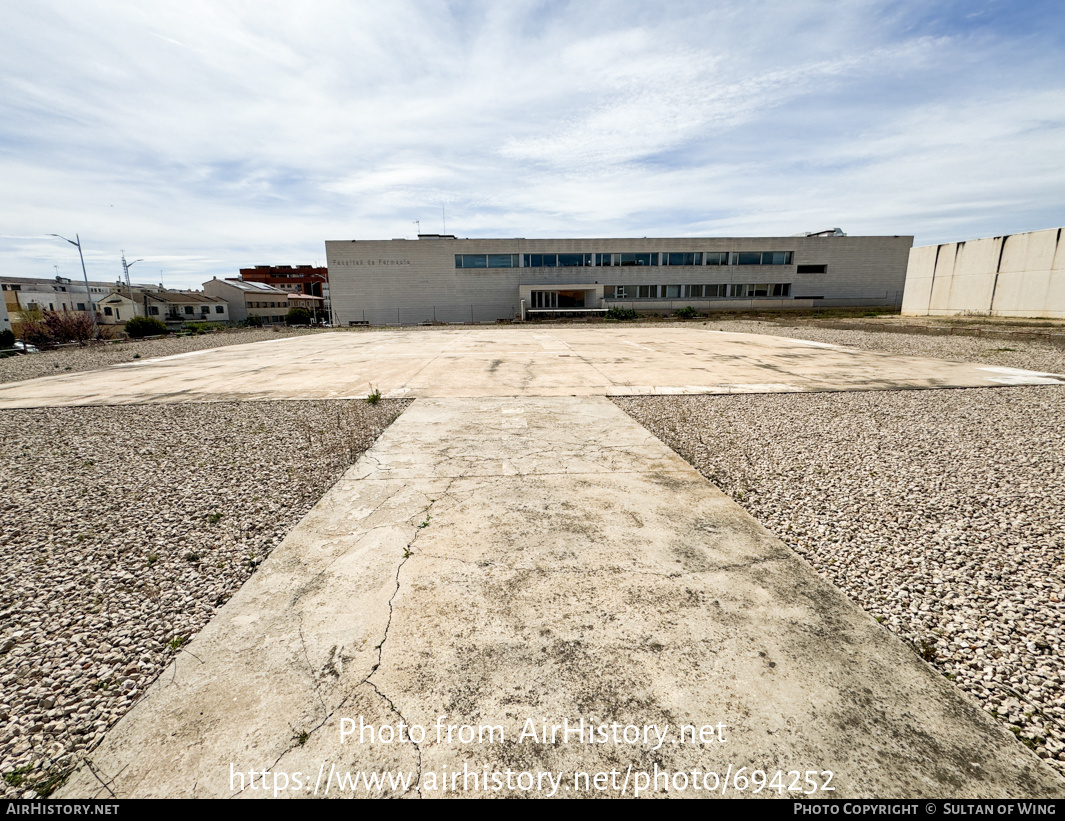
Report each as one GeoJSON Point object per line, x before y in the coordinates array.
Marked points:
{"type": "Point", "coordinates": [16, 777]}
{"type": "Point", "coordinates": [50, 784]}
{"type": "Point", "coordinates": [152, 558]}
{"type": "Point", "coordinates": [374, 396]}
{"type": "Point", "coordinates": [176, 643]}
{"type": "Point", "coordinates": [214, 518]}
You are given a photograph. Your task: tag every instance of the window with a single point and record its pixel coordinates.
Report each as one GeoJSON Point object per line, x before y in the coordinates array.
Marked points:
{"type": "Point", "coordinates": [544, 299]}
{"type": "Point", "coordinates": [81, 306]}
{"type": "Point", "coordinates": [671, 291]}
{"type": "Point", "coordinates": [715, 291]}
{"type": "Point", "coordinates": [717, 258]}
{"type": "Point", "coordinates": [219, 309]}
{"type": "Point", "coordinates": [108, 312]}
{"type": "Point", "coordinates": [486, 260]}
{"type": "Point", "coordinates": [761, 258]}
{"type": "Point", "coordinates": [153, 310]}
{"type": "Point", "coordinates": [557, 260]}
{"type": "Point", "coordinates": [647, 292]}
{"type": "Point", "coordinates": [639, 259]}
{"type": "Point", "coordinates": [188, 310]}
{"type": "Point", "coordinates": [760, 289]}
{"type": "Point", "coordinates": [682, 259]}
{"type": "Point", "coordinates": [693, 291]}
{"type": "Point", "coordinates": [204, 309]}
{"type": "Point", "coordinates": [811, 269]}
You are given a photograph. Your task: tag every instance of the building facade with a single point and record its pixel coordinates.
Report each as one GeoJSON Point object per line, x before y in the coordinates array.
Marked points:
{"type": "Point", "coordinates": [56, 294]}
{"type": "Point", "coordinates": [295, 279]}
{"type": "Point", "coordinates": [1020, 275]}
{"type": "Point", "coordinates": [247, 299]}
{"type": "Point", "coordinates": [162, 304]}
{"type": "Point", "coordinates": [440, 278]}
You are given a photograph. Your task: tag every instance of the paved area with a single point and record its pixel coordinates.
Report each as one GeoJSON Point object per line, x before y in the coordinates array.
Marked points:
{"type": "Point", "coordinates": [506, 362]}
{"type": "Point", "coordinates": [505, 566]}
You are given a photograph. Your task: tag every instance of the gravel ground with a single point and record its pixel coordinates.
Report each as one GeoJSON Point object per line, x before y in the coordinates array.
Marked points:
{"type": "Point", "coordinates": [74, 358]}
{"type": "Point", "coordinates": [125, 528]}
{"type": "Point", "coordinates": [940, 512]}
{"type": "Point", "coordinates": [1030, 355]}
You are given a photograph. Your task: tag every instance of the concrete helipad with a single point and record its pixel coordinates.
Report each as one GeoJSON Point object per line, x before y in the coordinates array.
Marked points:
{"type": "Point", "coordinates": [506, 362]}
{"type": "Point", "coordinates": [496, 572]}
{"type": "Point", "coordinates": [519, 590]}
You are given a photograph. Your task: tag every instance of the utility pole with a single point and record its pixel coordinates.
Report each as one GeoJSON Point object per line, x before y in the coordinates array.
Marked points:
{"type": "Point", "coordinates": [129, 288]}
{"type": "Point", "coordinates": [84, 273]}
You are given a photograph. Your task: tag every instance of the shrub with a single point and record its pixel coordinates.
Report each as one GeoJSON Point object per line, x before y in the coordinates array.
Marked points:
{"type": "Point", "coordinates": [33, 330]}
{"type": "Point", "coordinates": [254, 321]}
{"type": "Point", "coordinates": [203, 327]}
{"type": "Point", "coordinates": [141, 326]}
{"type": "Point", "coordinates": [687, 312]}
{"type": "Point", "coordinates": [298, 316]}
{"type": "Point", "coordinates": [69, 326]}
{"type": "Point", "coordinates": [7, 339]}
{"type": "Point", "coordinates": [621, 313]}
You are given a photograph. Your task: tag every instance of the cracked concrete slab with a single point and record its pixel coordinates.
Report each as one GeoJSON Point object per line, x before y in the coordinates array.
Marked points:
{"type": "Point", "coordinates": [513, 565]}
{"type": "Point", "coordinates": [510, 361]}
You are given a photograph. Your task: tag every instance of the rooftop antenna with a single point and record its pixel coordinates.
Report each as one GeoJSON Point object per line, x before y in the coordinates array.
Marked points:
{"type": "Point", "coordinates": [161, 279]}
{"type": "Point", "coordinates": [419, 224]}
{"type": "Point", "coordinates": [443, 216]}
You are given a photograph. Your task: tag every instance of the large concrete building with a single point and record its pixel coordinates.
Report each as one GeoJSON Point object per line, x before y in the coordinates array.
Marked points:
{"type": "Point", "coordinates": [1020, 275]}
{"type": "Point", "coordinates": [440, 278]}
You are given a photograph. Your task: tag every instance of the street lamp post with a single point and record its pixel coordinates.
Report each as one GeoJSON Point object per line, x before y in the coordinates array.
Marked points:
{"type": "Point", "coordinates": [84, 273]}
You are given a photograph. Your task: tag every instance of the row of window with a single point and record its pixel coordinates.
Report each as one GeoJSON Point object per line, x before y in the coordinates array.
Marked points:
{"type": "Point", "coordinates": [266, 305]}
{"type": "Point", "coordinates": [34, 306]}
{"type": "Point", "coordinates": [153, 310]}
{"type": "Point", "coordinates": [720, 291]}
{"type": "Point", "coordinates": [654, 258]}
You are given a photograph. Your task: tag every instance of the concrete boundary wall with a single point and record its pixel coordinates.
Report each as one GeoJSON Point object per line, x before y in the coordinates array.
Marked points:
{"type": "Point", "coordinates": [1020, 275]}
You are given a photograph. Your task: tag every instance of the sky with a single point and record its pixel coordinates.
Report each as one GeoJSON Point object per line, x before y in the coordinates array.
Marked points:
{"type": "Point", "coordinates": [203, 137]}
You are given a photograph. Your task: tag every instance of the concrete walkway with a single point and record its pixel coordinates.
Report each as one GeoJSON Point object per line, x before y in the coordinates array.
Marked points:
{"type": "Point", "coordinates": [495, 567]}
{"type": "Point", "coordinates": [604, 361]}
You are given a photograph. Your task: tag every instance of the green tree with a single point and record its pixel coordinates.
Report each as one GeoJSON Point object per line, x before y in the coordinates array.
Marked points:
{"type": "Point", "coordinates": [298, 316]}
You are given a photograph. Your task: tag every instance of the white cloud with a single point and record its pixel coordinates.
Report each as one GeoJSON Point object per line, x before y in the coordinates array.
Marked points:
{"type": "Point", "coordinates": [207, 137]}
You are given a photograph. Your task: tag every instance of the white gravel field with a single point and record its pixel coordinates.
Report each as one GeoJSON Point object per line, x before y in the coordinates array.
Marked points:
{"type": "Point", "coordinates": [940, 512]}
{"type": "Point", "coordinates": [999, 352]}
{"type": "Point", "coordinates": [125, 528]}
